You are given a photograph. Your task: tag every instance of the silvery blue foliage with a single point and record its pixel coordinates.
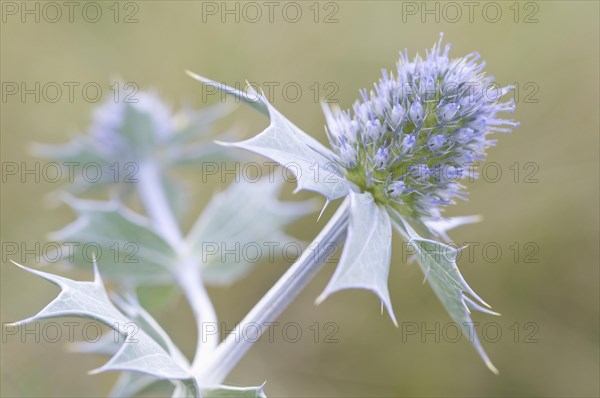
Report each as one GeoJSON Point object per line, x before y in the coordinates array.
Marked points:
{"type": "Point", "coordinates": [398, 156]}
{"type": "Point", "coordinates": [154, 139]}
{"type": "Point", "coordinates": [147, 258]}
{"type": "Point", "coordinates": [137, 351]}
{"type": "Point", "coordinates": [144, 352]}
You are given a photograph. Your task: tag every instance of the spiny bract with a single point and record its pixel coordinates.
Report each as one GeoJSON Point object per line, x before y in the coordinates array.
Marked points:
{"type": "Point", "coordinates": [411, 140]}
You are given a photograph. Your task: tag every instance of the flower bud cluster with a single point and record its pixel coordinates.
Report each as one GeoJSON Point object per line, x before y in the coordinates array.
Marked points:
{"type": "Point", "coordinates": [409, 140]}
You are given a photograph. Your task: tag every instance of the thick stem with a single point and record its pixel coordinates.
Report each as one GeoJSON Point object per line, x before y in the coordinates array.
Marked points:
{"type": "Point", "coordinates": [237, 343]}
{"type": "Point", "coordinates": [187, 272]}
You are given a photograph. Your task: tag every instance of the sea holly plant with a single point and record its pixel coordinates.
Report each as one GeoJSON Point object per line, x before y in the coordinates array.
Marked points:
{"type": "Point", "coordinates": [156, 141]}
{"type": "Point", "coordinates": [397, 159]}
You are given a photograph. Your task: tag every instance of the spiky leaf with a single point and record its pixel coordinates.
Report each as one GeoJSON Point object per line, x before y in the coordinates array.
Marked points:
{"type": "Point", "coordinates": [139, 351]}
{"type": "Point", "coordinates": [124, 241]}
{"type": "Point", "coordinates": [365, 260]}
{"type": "Point", "coordinates": [438, 263]}
{"type": "Point", "coordinates": [241, 226]}
{"type": "Point", "coordinates": [313, 165]}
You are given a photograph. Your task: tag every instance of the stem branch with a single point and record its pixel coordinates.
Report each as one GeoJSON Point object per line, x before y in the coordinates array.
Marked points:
{"type": "Point", "coordinates": [187, 273]}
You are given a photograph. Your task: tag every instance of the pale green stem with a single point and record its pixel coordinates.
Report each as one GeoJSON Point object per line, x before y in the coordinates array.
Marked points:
{"type": "Point", "coordinates": [187, 272]}
{"type": "Point", "coordinates": [233, 348]}
{"type": "Point", "coordinates": [152, 195]}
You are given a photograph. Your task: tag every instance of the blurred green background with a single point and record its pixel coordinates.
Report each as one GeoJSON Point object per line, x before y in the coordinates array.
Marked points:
{"type": "Point", "coordinates": [552, 302]}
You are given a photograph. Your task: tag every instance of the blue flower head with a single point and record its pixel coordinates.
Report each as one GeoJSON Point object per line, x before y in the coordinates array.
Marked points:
{"type": "Point", "coordinates": [400, 152]}
{"type": "Point", "coordinates": [418, 129]}
{"type": "Point", "coordinates": [125, 134]}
